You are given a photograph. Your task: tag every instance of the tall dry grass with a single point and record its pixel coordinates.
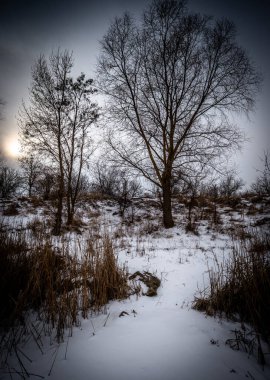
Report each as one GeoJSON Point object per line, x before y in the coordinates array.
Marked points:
{"type": "Point", "coordinates": [240, 286]}
{"type": "Point", "coordinates": [46, 290]}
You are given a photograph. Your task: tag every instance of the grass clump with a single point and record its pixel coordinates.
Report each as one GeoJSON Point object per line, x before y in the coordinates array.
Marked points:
{"type": "Point", "coordinates": [54, 284]}
{"type": "Point", "coordinates": [11, 209]}
{"type": "Point", "coordinates": [14, 273]}
{"type": "Point", "coordinates": [240, 287]}
{"type": "Point", "coordinates": [108, 279]}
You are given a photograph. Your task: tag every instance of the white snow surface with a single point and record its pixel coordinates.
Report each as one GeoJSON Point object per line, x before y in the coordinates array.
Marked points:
{"type": "Point", "coordinates": [162, 337]}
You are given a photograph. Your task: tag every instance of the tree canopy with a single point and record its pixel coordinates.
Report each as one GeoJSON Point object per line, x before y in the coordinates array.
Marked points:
{"type": "Point", "coordinates": [171, 81]}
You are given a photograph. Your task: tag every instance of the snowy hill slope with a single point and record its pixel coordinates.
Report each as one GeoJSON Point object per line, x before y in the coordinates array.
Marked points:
{"type": "Point", "coordinates": [158, 337]}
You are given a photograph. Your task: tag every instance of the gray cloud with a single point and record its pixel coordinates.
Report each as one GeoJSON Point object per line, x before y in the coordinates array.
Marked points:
{"type": "Point", "coordinates": [30, 27]}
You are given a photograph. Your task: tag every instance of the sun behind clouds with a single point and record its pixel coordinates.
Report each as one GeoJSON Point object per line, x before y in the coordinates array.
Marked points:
{"type": "Point", "coordinates": [12, 147]}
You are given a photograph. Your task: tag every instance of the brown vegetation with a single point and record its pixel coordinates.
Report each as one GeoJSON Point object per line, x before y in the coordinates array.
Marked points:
{"type": "Point", "coordinates": [53, 283]}
{"type": "Point", "coordinates": [240, 286]}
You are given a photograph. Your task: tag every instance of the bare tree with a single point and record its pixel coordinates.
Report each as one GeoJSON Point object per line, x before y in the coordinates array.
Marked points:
{"type": "Point", "coordinates": [105, 179]}
{"type": "Point", "coordinates": [56, 123]}
{"type": "Point", "coordinates": [43, 123]}
{"type": "Point", "coordinates": [31, 172]}
{"type": "Point", "coordinates": [10, 179]}
{"type": "Point", "coordinates": [118, 184]}
{"type": "Point", "coordinates": [46, 182]}
{"type": "Point", "coordinates": [262, 184]}
{"type": "Point", "coordinates": [84, 185]}
{"type": "Point", "coordinates": [230, 185]}
{"type": "Point", "coordinates": [125, 191]}
{"type": "Point", "coordinates": [78, 144]}
{"type": "Point", "coordinates": [170, 82]}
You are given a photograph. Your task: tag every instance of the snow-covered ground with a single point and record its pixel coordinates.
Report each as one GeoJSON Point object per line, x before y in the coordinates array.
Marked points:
{"type": "Point", "coordinates": [158, 337]}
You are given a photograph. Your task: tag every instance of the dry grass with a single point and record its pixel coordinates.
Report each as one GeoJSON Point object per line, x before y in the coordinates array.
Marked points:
{"type": "Point", "coordinates": [36, 201]}
{"type": "Point", "coordinates": [234, 201]}
{"type": "Point", "coordinates": [11, 209]}
{"type": "Point", "coordinates": [37, 227]}
{"type": "Point", "coordinates": [109, 280]}
{"type": "Point", "coordinates": [149, 227]}
{"type": "Point", "coordinates": [192, 227]}
{"type": "Point", "coordinates": [93, 197]}
{"type": "Point", "coordinates": [240, 286]}
{"type": "Point", "coordinates": [37, 278]}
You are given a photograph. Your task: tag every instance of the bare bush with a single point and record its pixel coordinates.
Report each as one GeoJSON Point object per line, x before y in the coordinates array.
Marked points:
{"type": "Point", "coordinates": [262, 184]}
{"type": "Point", "coordinates": [105, 179]}
{"type": "Point", "coordinates": [126, 190]}
{"type": "Point", "coordinates": [240, 286]}
{"type": "Point", "coordinates": [57, 285]}
{"type": "Point", "coordinates": [230, 185]}
{"type": "Point", "coordinates": [46, 183]}
{"type": "Point", "coordinates": [10, 181]}
{"type": "Point", "coordinates": [31, 171]}
{"type": "Point", "coordinates": [118, 184]}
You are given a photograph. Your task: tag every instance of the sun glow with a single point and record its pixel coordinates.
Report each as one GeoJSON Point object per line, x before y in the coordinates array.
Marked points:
{"type": "Point", "coordinates": [12, 147]}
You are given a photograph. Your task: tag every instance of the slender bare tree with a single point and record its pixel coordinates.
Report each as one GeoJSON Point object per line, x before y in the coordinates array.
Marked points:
{"type": "Point", "coordinates": [10, 179]}
{"type": "Point", "coordinates": [230, 184]}
{"type": "Point", "coordinates": [56, 123]}
{"type": "Point", "coordinates": [46, 182]}
{"type": "Point", "coordinates": [262, 184]}
{"type": "Point", "coordinates": [170, 82]}
{"type": "Point", "coordinates": [116, 183]}
{"type": "Point", "coordinates": [43, 122]}
{"type": "Point", "coordinates": [31, 170]}
{"type": "Point", "coordinates": [78, 144]}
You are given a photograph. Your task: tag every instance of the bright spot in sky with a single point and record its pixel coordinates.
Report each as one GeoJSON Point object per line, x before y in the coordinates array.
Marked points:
{"type": "Point", "coordinates": [12, 147]}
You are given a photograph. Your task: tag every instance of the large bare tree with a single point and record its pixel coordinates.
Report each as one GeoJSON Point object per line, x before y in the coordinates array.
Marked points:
{"type": "Point", "coordinates": [170, 82]}
{"type": "Point", "coordinates": [56, 124]}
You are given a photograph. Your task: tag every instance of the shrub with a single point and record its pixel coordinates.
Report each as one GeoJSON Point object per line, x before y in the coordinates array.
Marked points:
{"type": "Point", "coordinates": [9, 181]}
{"type": "Point", "coordinates": [108, 280]}
{"type": "Point", "coordinates": [14, 269]}
{"type": "Point", "coordinates": [11, 209]}
{"type": "Point", "coordinates": [240, 287]}
{"type": "Point", "coordinates": [58, 286]}
{"type": "Point", "coordinates": [118, 185]}
{"type": "Point", "coordinates": [262, 184]}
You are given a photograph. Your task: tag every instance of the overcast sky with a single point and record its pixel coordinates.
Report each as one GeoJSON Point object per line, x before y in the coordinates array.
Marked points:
{"type": "Point", "coordinates": [29, 28]}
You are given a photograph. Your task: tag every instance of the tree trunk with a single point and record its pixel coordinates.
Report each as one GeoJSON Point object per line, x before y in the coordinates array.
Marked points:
{"type": "Point", "coordinates": [70, 218]}
{"type": "Point", "coordinates": [70, 211]}
{"type": "Point", "coordinates": [69, 214]}
{"type": "Point", "coordinates": [58, 216]}
{"type": "Point", "coordinates": [167, 204]}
